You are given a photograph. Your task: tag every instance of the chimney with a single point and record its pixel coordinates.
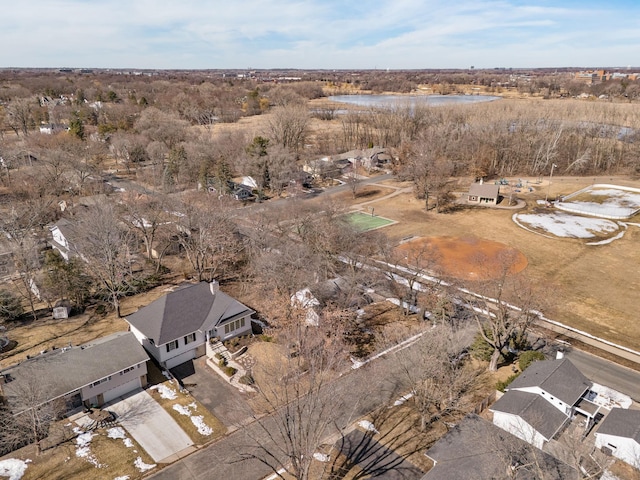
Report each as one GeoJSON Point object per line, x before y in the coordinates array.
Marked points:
{"type": "Point", "coordinates": [214, 286]}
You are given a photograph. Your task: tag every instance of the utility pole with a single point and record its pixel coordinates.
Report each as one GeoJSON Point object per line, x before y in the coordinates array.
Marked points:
{"type": "Point", "coordinates": [546, 198]}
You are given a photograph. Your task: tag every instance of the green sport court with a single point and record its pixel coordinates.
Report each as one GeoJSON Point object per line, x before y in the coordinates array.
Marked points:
{"type": "Point", "coordinates": [364, 222]}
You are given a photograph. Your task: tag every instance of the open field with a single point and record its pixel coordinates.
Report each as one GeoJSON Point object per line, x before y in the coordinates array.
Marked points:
{"type": "Point", "coordinates": [594, 287]}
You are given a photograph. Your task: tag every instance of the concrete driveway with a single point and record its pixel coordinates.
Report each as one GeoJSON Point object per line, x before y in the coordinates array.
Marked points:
{"type": "Point", "coordinates": [151, 426]}
{"type": "Point", "coordinates": [223, 400]}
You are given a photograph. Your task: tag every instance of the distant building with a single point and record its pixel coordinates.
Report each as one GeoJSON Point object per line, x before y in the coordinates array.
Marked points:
{"type": "Point", "coordinates": [483, 194]}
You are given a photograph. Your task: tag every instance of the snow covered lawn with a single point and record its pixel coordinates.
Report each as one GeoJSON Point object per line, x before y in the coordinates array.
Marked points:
{"type": "Point", "coordinates": [611, 202]}
{"type": "Point", "coordinates": [563, 224]}
{"type": "Point", "coordinates": [13, 468]}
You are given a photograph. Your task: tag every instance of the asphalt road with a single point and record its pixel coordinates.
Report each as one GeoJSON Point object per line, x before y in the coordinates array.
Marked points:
{"type": "Point", "coordinates": [606, 373]}
{"type": "Point", "coordinates": [354, 394]}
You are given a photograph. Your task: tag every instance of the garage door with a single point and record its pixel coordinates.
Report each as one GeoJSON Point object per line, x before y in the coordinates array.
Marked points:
{"type": "Point", "coordinates": [121, 389]}
{"type": "Point", "coordinates": [183, 357]}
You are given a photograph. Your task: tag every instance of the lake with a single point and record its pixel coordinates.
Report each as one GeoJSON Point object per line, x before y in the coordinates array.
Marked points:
{"type": "Point", "coordinates": [387, 101]}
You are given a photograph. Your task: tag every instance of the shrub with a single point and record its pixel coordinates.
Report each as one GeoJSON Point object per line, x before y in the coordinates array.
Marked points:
{"type": "Point", "coordinates": [222, 362]}
{"type": "Point", "coordinates": [528, 357]}
{"type": "Point", "coordinates": [229, 371]}
{"type": "Point", "coordinates": [266, 338]}
{"type": "Point", "coordinates": [480, 349]}
{"type": "Point", "coordinates": [246, 380]}
{"type": "Point", "coordinates": [501, 385]}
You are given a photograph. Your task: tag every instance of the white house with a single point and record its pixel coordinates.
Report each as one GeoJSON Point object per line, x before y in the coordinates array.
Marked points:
{"type": "Point", "coordinates": [177, 327]}
{"type": "Point", "coordinates": [539, 402]}
{"type": "Point", "coordinates": [619, 433]}
{"type": "Point", "coordinates": [91, 374]}
{"type": "Point", "coordinates": [62, 234]}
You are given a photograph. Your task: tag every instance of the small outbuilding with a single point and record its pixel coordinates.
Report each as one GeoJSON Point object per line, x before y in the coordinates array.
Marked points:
{"type": "Point", "coordinates": [483, 194]}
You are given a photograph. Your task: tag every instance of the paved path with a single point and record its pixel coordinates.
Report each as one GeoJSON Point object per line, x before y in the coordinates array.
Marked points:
{"type": "Point", "coordinates": [218, 396]}
{"type": "Point", "coordinates": [151, 426]}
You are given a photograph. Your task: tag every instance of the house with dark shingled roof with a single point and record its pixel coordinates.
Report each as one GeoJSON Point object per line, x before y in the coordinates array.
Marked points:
{"type": "Point", "coordinates": [178, 326]}
{"type": "Point", "coordinates": [542, 399]}
{"type": "Point", "coordinates": [619, 433]}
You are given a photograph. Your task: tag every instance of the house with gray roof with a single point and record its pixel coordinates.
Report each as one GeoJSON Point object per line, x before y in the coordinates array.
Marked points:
{"type": "Point", "coordinates": [475, 448]}
{"type": "Point", "coordinates": [483, 194]}
{"type": "Point", "coordinates": [542, 399]}
{"type": "Point", "coordinates": [619, 434]}
{"type": "Point", "coordinates": [63, 233]}
{"type": "Point", "coordinates": [91, 374]}
{"type": "Point", "coordinates": [180, 325]}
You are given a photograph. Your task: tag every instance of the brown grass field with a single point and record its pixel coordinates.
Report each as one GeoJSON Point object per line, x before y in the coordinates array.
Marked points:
{"type": "Point", "coordinates": [594, 287]}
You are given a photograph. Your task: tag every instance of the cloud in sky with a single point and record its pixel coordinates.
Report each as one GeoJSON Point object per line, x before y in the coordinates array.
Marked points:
{"type": "Point", "coordinates": [337, 34]}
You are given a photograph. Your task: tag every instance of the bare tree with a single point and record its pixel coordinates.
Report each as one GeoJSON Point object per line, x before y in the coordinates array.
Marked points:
{"type": "Point", "coordinates": [105, 245]}
{"type": "Point", "coordinates": [288, 126]}
{"type": "Point", "coordinates": [438, 376]}
{"type": "Point", "coordinates": [504, 307]}
{"type": "Point", "coordinates": [29, 411]}
{"type": "Point", "coordinates": [22, 226]}
{"type": "Point", "coordinates": [210, 239]}
{"type": "Point", "coordinates": [299, 407]}
{"type": "Point", "coordinates": [145, 215]}
{"type": "Point", "coordinates": [20, 115]}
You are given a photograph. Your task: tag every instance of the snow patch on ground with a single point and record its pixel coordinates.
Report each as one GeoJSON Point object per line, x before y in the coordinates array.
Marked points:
{"type": "Point", "coordinates": [609, 398]}
{"type": "Point", "coordinates": [368, 426]}
{"type": "Point", "coordinates": [83, 449]}
{"type": "Point", "coordinates": [124, 477]}
{"type": "Point", "coordinates": [321, 457]}
{"type": "Point", "coordinates": [118, 432]}
{"type": "Point", "coordinates": [164, 391]}
{"type": "Point", "coordinates": [203, 428]}
{"type": "Point", "coordinates": [197, 420]}
{"type": "Point", "coordinates": [13, 468]}
{"type": "Point", "coordinates": [402, 399]}
{"type": "Point", "coordinates": [566, 225]}
{"type": "Point", "coordinates": [143, 467]}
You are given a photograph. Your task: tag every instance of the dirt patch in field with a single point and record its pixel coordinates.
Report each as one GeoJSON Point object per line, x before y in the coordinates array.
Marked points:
{"type": "Point", "coordinates": [465, 258]}
{"type": "Point", "coordinates": [363, 194]}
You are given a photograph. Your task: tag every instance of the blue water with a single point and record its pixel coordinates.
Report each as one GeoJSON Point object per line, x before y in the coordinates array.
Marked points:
{"type": "Point", "coordinates": [387, 101]}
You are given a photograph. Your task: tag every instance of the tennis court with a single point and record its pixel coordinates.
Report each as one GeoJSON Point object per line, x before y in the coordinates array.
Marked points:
{"type": "Point", "coordinates": [364, 221]}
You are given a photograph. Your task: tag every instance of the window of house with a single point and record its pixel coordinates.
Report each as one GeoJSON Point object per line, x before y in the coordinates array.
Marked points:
{"type": "Point", "coordinates": [126, 370]}
{"type": "Point", "coordinates": [235, 325]}
{"type": "Point", "coordinates": [172, 345]}
{"type": "Point", "coordinates": [190, 338]}
{"type": "Point", "coordinates": [102, 380]}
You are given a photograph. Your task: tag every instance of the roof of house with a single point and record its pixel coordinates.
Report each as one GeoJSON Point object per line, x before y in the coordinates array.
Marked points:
{"type": "Point", "coordinates": [621, 423]}
{"type": "Point", "coordinates": [65, 370]}
{"type": "Point", "coordinates": [533, 409]}
{"type": "Point", "coordinates": [560, 378]}
{"type": "Point", "coordinates": [475, 448]}
{"type": "Point", "coordinates": [189, 308]}
{"type": "Point", "coordinates": [486, 190]}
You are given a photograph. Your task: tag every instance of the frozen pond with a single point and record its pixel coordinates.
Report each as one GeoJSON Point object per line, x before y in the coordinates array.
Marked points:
{"type": "Point", "coordinates": [566, 225]}
{"type": "Point", "coordinates": [608, 201]}
{"type": "Point", "coordinates": [389, 101]}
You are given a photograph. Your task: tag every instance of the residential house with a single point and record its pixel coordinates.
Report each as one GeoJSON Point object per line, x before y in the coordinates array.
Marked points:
{"type": "Point", "coordinates": [313, 299]}
{"type": "Point", "coordinates": [475, 448]}
{"type": "Point", "coordinates": [91, 374]}
{"type": "Point", "coordinates": [619, 434]}
{"type": "Point", "coordinates": [63, 233]}
{"type": "Point", "coordinates": [483, 194]}
{"type": "Point", "coordinates": [542, 399]}
{"type": "Point", "coordinates": [178, 326]}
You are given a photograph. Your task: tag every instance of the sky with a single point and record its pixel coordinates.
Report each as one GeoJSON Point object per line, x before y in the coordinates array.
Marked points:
{"type": "Point", "coordinates": [319, 34]}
